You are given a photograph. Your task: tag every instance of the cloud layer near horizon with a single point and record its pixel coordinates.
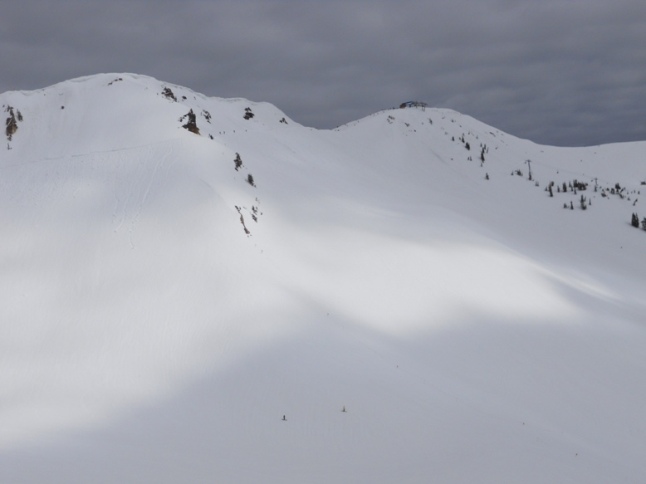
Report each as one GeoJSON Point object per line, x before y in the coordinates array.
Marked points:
{"type": "Point", "coordinates": [564, 72]}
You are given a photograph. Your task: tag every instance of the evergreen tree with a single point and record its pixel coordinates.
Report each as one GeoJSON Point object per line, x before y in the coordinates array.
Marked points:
{"type": "Point", "coordinates": [635, 220]}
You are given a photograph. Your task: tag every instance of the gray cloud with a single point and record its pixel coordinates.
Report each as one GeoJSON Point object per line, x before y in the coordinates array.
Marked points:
{"type": "Point", "coordinates": [563, 72]}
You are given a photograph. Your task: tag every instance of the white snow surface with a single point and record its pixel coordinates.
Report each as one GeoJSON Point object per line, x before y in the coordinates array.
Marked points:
{"type": "Point", "coordinates": [415, 314]}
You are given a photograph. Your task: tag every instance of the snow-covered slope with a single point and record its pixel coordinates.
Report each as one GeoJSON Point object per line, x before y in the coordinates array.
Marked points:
{"type": "Point", "coordinates": [202, 290]}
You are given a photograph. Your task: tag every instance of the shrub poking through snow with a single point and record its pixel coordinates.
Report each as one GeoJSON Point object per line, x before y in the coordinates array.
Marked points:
{"type": "Point", "coordinates": [191, 124]}
{"type": "Point", "coordinates": [168, 94]}
{"type": "Point", "coordinates": [579, 185]}
{"type": "Point", "coordinates": [244, 226]}
{"type": "Point", "coordinates": [238, 161]}
{"type": "Point", "coordinates": [250, 180]}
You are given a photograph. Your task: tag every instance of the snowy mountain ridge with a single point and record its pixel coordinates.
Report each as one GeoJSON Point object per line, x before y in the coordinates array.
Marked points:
{"type": "Point", "coordinates": [421, 296]}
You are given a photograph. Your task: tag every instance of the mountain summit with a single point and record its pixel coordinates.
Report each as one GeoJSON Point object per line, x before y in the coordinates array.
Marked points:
{"type": "Point", "coordinates": [199, 289]}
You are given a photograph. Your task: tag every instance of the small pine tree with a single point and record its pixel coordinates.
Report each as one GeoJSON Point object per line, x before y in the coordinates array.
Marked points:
{"type": "Point", "coordinates": [635, 220]}
{"type": "Point", "coordinates": [12, 125]}
{"type": "Point", "coordinates": [644, 223]}
{"type": "Point", "coordinates": [250, 180]}
{"type": "Point", "coordinates": [529, 167]}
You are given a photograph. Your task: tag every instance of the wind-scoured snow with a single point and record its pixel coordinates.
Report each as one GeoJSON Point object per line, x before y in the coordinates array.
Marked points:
{"type": "Point", "coordinates": [250, 300]}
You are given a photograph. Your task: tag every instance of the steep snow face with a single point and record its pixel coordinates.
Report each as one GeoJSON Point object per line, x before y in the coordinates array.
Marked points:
{"type": "Point", "coordinates": [202, 289]}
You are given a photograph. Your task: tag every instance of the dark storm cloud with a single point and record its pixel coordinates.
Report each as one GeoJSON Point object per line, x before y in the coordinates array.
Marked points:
{"type": "Point", "coordinates": [563, 72]}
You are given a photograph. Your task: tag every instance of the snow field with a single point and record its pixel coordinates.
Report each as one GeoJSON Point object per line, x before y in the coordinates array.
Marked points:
{"type": "Point", "coordinates": [473, 329]}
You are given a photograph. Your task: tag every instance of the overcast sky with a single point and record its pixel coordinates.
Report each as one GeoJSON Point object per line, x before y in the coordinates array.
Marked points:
{"type": "Point", "coordinates": [563, 72]}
